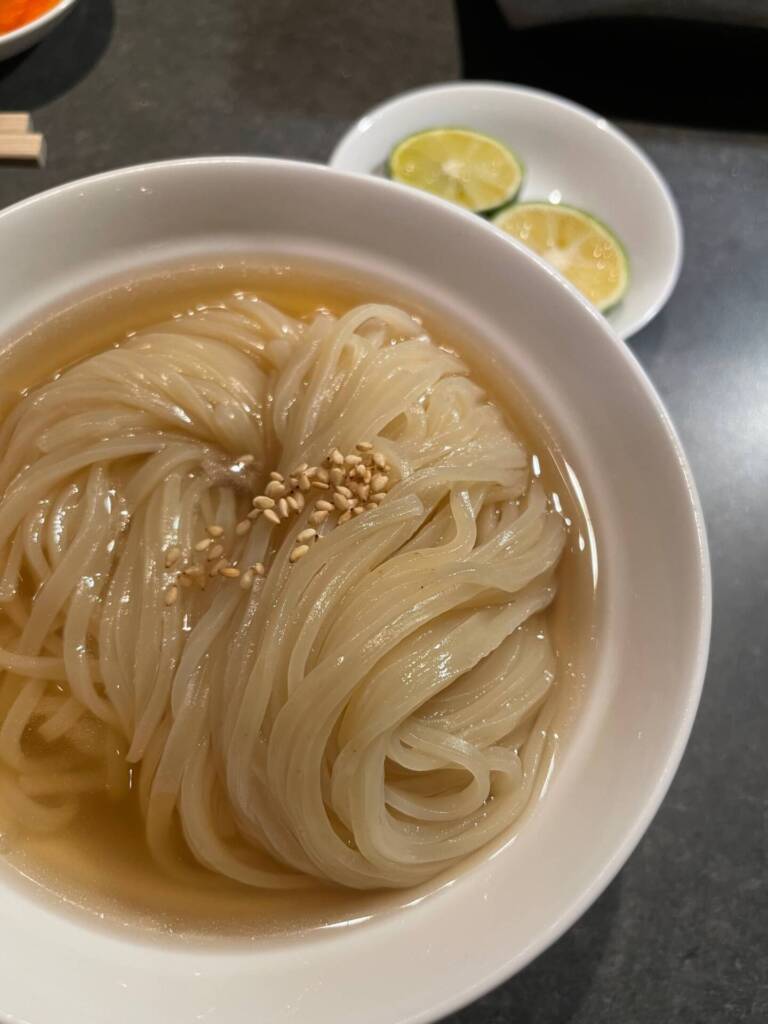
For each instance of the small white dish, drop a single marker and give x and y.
(571, 155)
(22, 38)
(418, 963)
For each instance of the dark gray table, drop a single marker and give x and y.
(682, 934)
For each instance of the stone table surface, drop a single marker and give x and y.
(682, 934)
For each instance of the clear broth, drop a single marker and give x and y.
(99, 865)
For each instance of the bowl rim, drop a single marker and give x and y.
(501, 91)
(43, 19)
(664, 772)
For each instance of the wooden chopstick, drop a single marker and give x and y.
(15, 124)
(18, 141)
(30, 146)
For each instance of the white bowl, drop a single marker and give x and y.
(420, 962)
(571, 155)
(22, 38)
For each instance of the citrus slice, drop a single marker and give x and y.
(576, 244)
(465, 167)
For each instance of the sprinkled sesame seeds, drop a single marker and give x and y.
(357, 483)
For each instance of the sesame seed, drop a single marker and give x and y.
(298, 552)
(352, 460)
(275, 489)
(171, 595)
(246, 460)
(378, 498)
(293, 483)
(246, 580)
(300, 500)
(364, 446)
(311, 471)
(272, 516)
(282, 508)
(243, 527)
(193, 570)
(337, 476)
(230, 572)
(318, 517)
(254, 514)
(323, 505)
(357, 510)
(258, 569)
(217, 567)
(203, 545)
(344, 490)
(262, 502)
(379, 461)
(371, 506)
(363, 490)
(215, 552)
(340, 502)
(379, 483)
(306, 535)
(336, 458)
(172, 555)
(322, 475)
(345, 517)
(292, 503)
(301, 469)
(215, 530)
(321, 485)
(304, 482)
(274, 475)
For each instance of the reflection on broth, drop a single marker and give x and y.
(311, 738)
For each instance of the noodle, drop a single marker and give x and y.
(366, 712)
